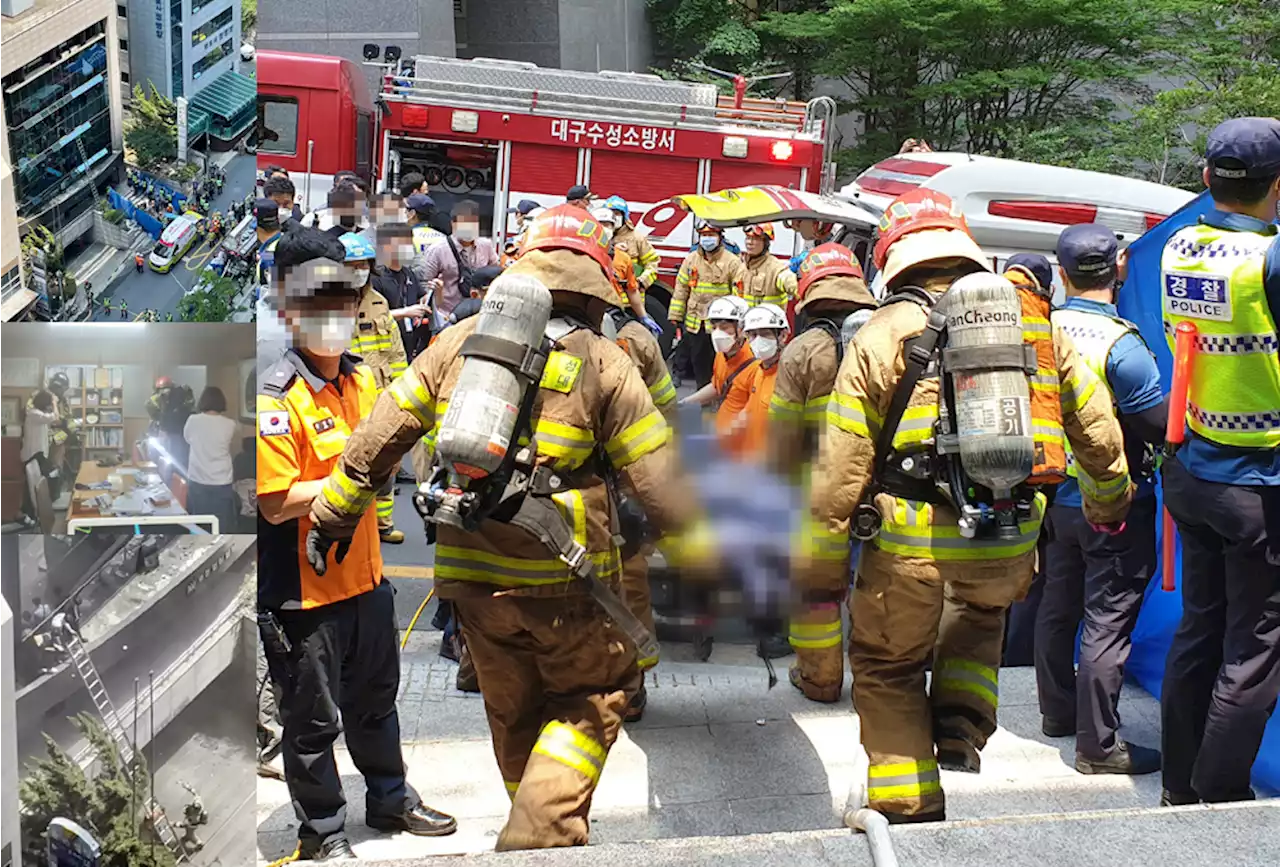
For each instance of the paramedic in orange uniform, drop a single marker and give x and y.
(731, 374)
(331, 641)
(766, 330)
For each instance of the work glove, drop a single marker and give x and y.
(318, 545)
(1112, 529)
(652, 325)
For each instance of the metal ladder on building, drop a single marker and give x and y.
(106, 710)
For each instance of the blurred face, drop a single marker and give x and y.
(808, 229)
(395, 252)
(321, 300)
(755, 245)
(466, 229)
(387, 211)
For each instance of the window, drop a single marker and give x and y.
(211, 27)
(122, 11)
(277, 125)
(459, 8)
(11, 283)
(124, 76)
(124, 44)
(218, 53)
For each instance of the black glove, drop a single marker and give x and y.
(318, 545)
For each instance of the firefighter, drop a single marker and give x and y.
(1095, 575)
(945, 561)
(169, 407)
(706, 274)
(766, 330)
(137, 262)
(644, 258)
(335, 627)
(64, 436)
(624, 273)
(831, 291)
(769, 280)
(376, 340)
(1222, 487)
(557, 674)
(730, 386)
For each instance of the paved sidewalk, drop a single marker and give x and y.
(717, 755)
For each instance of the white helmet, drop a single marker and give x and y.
(607, 217)
(765, 316)
(727, 308)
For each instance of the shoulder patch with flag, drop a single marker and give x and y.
(274, 423)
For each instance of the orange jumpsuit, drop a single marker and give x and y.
(755, 436)
(735, 393)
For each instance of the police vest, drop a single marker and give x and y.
(1213, 278)
(1094, 335)
(267, 259)
(425, 237)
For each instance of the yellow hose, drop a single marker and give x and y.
(416, 615)
(287, 859)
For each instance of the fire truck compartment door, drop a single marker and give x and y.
(764, 204)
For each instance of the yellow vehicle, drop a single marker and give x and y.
(175, 241)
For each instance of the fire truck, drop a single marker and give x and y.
(498, 131)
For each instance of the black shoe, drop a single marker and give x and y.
(1178, 799)
(421, 821)
(955, 755)
(1129, 759)
(1056, 729)
(774, 647)
(333, 849)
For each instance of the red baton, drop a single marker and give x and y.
(1184, 350)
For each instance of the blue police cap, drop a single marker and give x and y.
(1035, 265)
(419, 202)
(1245, 147)
(1087, 249)
(523, 207)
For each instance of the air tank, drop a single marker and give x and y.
(852, 324)
(992, 403)
(479, 425)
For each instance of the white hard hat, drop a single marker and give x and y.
(763, 316)
(606, 216)
(729, 308)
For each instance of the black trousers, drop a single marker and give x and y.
(1222, 676)
(220, 501)
(702, 355)
(341, 675)
(1101, 580)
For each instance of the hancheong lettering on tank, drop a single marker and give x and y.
(1197, 296)
(476, 414)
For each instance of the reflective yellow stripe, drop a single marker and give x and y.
(676, 308)
(571, 748)
(512, 788)
(386, 506)
(345, 495)
(968, 676)
(853, 415)
(1077, 391)
(903, 780)
(815, 409)
(647, 662)
(710, 288)
(573, 508)
(916, 426)
(663, 391)
(466, 564)
(819, 542)
(398, 367)
(565, 442)
(814, 636)
(639, 439)
(1101, 492)
(785, 410)
(412, 397)
(908, 532)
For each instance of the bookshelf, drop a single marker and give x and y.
(96, 398)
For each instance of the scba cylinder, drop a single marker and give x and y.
(480, 422)
(984, 359)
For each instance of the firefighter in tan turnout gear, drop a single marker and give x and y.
(831, 291)
(769, 280)
(708, 273)
(935, 429)
(376, 340)
(557, 673)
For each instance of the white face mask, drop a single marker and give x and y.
(764, 348)
(467, 231)
(327, 333)
(722, 341)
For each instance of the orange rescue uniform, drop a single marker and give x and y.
(732, 380)
(755, 436)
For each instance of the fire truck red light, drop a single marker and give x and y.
(415, 116)
(782, 150)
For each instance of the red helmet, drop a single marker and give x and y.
(916, 211)
(568, 227)
(827, 260)
(164, 382)
(765, 229)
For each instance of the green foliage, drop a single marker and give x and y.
(248, 17)
(212, 301)
(152, 130)
(186, 171)
(55, 786)
(114, 216)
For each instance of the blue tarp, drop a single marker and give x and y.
(149, 224)
(1140, 303)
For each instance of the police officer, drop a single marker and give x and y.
(339, 629)
(266, 215)
(426, 234)
(927, 593)
(1222, 675)
(1097, 574)
(556, 674)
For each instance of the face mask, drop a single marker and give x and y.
(467, 231)
(327, 333)
(764, 348)
(708, 242)
(347, 220)
(722, 341)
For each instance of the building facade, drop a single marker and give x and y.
(180, 46)
(10, 839)
(62, 126)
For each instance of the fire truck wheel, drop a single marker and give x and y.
(434, 175)
(455, 179)
(474, 179)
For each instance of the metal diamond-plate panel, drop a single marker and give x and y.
(582, 84)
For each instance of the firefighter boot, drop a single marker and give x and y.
(467, 680)
(816, 636)
(635, 708)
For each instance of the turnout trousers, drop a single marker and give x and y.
(907, 612)
(342, 675)
(1222, 675)
(556, 679)
(637, 596)
(1101, 579)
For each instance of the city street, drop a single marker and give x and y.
(163, 292)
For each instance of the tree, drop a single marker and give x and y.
(56, 786)
(212, 301)
(248, 19)
(152, 130)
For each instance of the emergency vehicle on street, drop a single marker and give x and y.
(498, 131)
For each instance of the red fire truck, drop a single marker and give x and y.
(497, 131)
